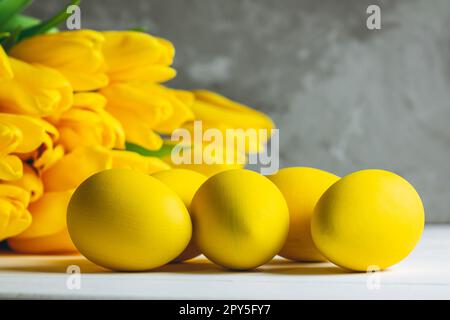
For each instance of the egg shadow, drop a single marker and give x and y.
(299, 270)
(281, 266)
(277, 266)
(200, 266)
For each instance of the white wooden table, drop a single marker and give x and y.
(425, 274)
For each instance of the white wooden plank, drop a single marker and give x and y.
(425, 274)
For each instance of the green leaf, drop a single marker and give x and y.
(20, 21)
(4, 35)
(47, 25)
(164, 151)
(9, 41)
(9, 8)
(16, 24)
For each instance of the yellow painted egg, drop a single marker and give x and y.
(302, 187)
(185, 183)
(126, 220)
(240, 219)
(368, 220)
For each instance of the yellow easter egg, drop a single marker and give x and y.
(368, 220)
(185, 183)
(126, 220)
(302, 187)
(240, 219)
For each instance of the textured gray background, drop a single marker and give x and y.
(345, 98)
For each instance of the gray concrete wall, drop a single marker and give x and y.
(344, 98)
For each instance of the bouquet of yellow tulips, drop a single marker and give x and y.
(73, 103)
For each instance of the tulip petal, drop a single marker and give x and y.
(35, 90)
(32, 132)
(30, 139)
(87, 123)
(49, 215)
(85, 82)
(149, 73)
(10, 168)
(47, 153)
(10, 137)
(75, 54)
(5, 67)
(14, 217)
(168, 53)
(217, 112)
(30, 182)
(141, 133)
(181, 111)
(134, 161)
(56, 243)
(75, 167)
(212, 106)
(136, 56)
(139, 109)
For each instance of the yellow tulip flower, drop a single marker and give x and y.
(34, 90)
(219, 112)
(141, 107)
(78, 165)
(76, 54)
(14, 216)
(48, 152)
(133, 56)
(30, 182)
(144, 108)
(88, 124)
(5, 67)
(210, 106)
(48, 230)
(181, 102)
(20, 136)
(211, 162)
